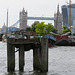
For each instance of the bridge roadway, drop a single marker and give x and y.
(41, 18)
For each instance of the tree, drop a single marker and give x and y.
(40, 28)
(54, 30)
(28, 29)
(66, 29)
(33, 26)
(50, 28)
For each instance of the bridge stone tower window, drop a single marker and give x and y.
(58, 21)
(23, 19)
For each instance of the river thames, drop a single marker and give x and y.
(61, 61)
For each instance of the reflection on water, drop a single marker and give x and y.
(25, 73)
(61, 61)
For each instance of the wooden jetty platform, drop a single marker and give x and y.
(40, 53)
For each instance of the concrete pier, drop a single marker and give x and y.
(40, 53)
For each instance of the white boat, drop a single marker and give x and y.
(4, 38)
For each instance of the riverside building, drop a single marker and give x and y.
(66, 16)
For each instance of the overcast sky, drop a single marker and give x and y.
(33, 7)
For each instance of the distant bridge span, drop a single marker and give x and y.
(41, 18)
(29, 18)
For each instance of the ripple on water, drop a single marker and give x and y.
(61, 61)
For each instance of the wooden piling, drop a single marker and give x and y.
(10, 57)
(36, 59)
(44, 54)
(40, 53)
(40, 56)
(21, 58)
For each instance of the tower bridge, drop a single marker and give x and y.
(41, 18)
(24, 18)
(23, 21)
(57, 19)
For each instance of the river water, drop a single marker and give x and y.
(61, 61)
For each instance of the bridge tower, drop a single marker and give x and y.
(23, 19)
(58, 21)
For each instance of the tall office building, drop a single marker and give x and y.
(66, 16)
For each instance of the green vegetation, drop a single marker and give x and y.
(66, 29)
(50, 28)
(74, 34)
(28, 29)
(41, 28)
(33, 26)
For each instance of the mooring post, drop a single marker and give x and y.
(21, 58)
(44, 55)
(36, 59)
(10, 57)
(40, 56)
(36, 56)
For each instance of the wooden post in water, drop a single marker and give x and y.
(10, 57)
(40, 53)
(21, 58)
(44, 54)
(35, 57)
(36, 60)
(40, 56)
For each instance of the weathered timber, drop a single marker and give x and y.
(21, 58)
(40, 56)
(10, 57)
(36, 59)
(40, 53)
(23, 41)
(44, 54)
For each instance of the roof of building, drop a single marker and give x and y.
(72, 5)
(4, 26)
(65, 6)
